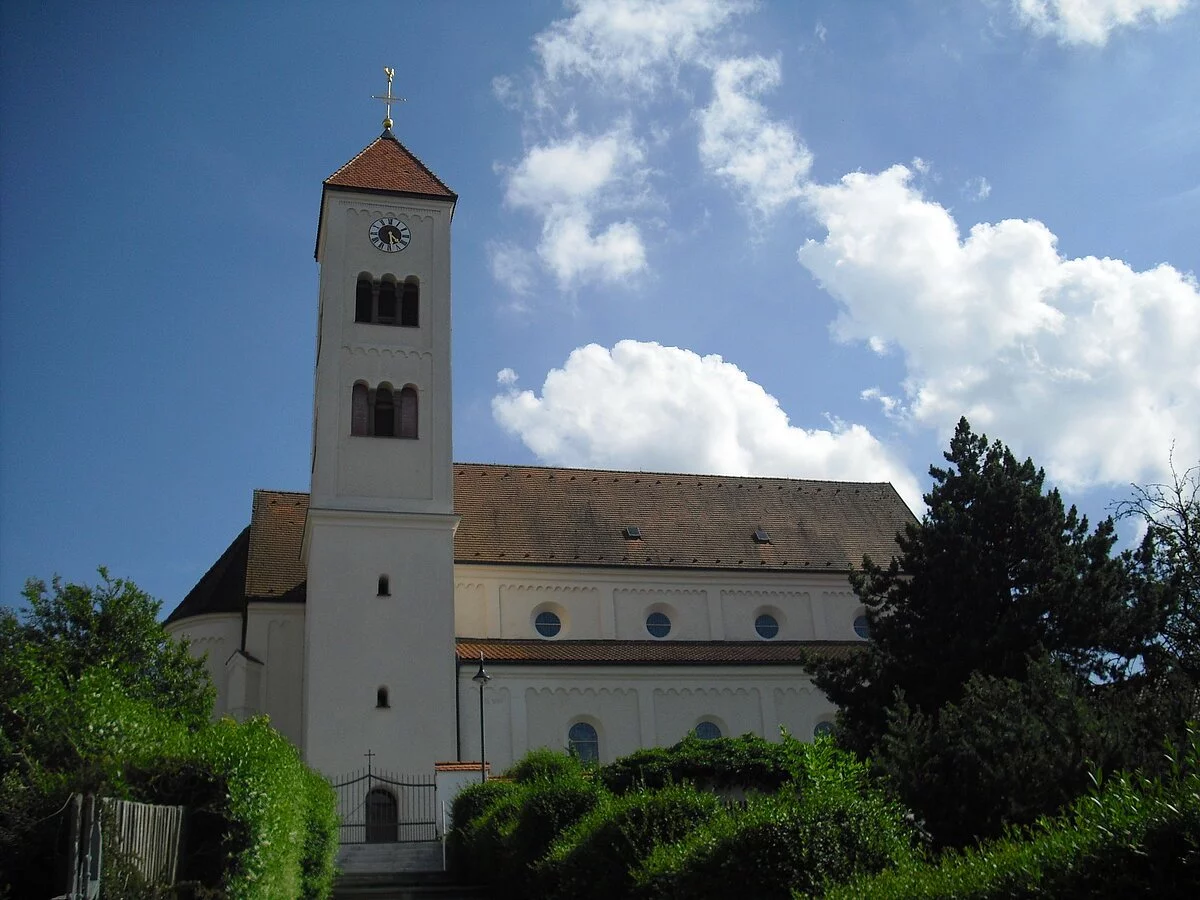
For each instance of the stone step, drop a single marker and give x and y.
(390, 859)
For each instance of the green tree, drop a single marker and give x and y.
(1000, 599)
(68, 629)
(1168, 564)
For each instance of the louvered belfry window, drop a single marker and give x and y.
(360, 411)
(387, 303)
(363, 300)
(408, 412)
(385, 422)
(410, 304)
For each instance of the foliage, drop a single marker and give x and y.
(781, 842)
(999, 595)
(549, 806)
(1168, 562)
(500, 832)
(746, 762)
(596, 858)
(544, 763)
(97, 699)
(72, 628)
(1129, 837)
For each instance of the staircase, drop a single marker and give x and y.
(398, 872)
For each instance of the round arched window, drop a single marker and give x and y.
(548, 624)
(658, 624)
(823, 729)
(862, 628)
(583, 742)
(766, 626)
(708, 731)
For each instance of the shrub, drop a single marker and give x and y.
(543, 763)
(471, 805)
(1131, 837)
(777, 843)
(596, 857)
(321, 826)
(745, 762)
(549, 806)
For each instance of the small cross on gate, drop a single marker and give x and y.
(369, 755)
(387, 98)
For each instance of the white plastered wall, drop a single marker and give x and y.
(212, 637)
(527, 706)
(593, 603)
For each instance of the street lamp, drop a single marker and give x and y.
(481, 678)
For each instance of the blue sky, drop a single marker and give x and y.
(776, 238)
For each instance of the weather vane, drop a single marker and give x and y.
(387, 98)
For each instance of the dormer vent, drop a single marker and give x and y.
(632, 533)
(761, 536)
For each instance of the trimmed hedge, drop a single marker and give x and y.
(775, 844)
(746, 762)
(596, 858)
(1130, 837)
(544, 763)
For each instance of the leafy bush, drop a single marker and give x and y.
(502, 828)
(596, 857)
(1130, 837)
(543, 763)
(746, 762)
(779, 843)
(549, 806)
(465, 839)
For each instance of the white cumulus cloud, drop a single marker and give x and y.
(645, 406)
(632, 43)
(1085, 364)
(1092, 21)
(569, 183)
(761, 158)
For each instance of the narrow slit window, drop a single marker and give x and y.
(383, 586)
(381, 699)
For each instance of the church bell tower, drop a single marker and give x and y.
(379, 537)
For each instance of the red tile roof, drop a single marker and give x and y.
(539, 516)
(532, 515)
(648, 653)
(274, 570)
(387, 165)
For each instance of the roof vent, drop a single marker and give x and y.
(632, 533)
(761, 536)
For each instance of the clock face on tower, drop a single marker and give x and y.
(389, 235)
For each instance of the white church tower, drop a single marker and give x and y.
(379, 536)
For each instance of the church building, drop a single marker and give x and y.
(612, 610)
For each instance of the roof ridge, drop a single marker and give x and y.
(705, 475)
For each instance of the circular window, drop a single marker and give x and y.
(823, 729)
(766, 626)
(708, 731)
(658, 624)
(862, 628)
(548, 624)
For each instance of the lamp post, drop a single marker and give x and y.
(481, 678)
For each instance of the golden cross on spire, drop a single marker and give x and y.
(387, 98)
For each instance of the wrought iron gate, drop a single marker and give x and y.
(382, 807)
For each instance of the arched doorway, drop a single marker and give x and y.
(382, 816)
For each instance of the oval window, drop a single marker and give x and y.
(548, 624)
(823, 729)
(658, 624)
(708, 731)
(766, 626)
(862, 628)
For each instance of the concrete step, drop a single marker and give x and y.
(405, 886)
(390, 859)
